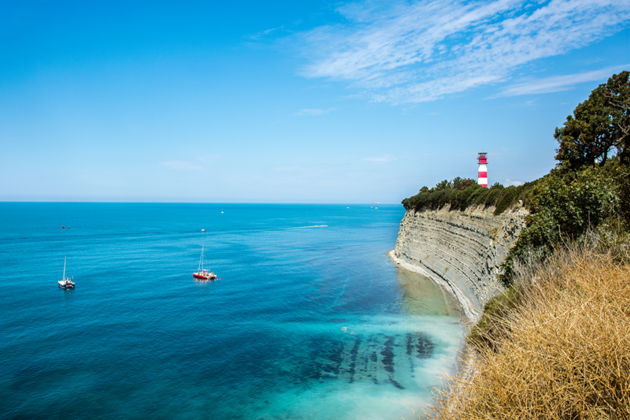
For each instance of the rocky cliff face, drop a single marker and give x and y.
(461, 250)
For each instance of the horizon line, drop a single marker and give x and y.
(195, 202)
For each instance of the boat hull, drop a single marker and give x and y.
(205, 276)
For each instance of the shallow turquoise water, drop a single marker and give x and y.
(310, 318)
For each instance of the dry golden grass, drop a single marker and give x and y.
(563, 352)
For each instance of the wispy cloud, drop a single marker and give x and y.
(313, 112)
(401, 51)
(182, 165)
(380, 159)
(559, 83)
(511, 182)
(265, 33)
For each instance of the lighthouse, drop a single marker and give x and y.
(482, 172)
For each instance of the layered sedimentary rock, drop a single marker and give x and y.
(461, 250)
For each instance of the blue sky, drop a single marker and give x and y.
(287, 101)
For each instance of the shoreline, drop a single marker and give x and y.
(466, 360)
(471, 314)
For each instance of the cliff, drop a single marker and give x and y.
(461, 250)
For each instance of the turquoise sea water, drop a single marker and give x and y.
(310, 319)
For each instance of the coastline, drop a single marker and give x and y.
(467, 358)
(471, 314)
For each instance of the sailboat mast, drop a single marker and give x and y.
(201, 260)
(64, 269)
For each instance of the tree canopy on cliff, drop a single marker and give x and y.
(598, 127)
(461, 193)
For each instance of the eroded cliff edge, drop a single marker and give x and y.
(461, 250)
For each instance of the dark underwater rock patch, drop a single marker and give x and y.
(388, 354)
(409, 338)
(424, 346)
(367, 357)
(395, 383)
(353, 358)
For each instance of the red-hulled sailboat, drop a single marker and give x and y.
(202, 273)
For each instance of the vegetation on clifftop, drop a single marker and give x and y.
(598, 127)
(566, 203)
(461, 193)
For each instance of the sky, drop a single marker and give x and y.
(305, 101)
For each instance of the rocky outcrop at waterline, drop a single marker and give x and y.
(461, 250)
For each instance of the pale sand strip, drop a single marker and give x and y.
(472, 313)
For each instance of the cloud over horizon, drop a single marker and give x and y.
(418, 51)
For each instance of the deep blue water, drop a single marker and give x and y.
(310, 318)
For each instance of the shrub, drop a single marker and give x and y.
(462, 193)
(565, 204)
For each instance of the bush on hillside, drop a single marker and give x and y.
(565, 204)
(460, 193)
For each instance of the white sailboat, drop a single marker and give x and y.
(65, 282)
(202, 273)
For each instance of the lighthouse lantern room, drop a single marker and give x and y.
(482, 172)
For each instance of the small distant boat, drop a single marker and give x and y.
(203, 229)
(222, 212)
(202, 273)
(66, 282)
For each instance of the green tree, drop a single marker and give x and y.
(460, 183)
(600, 125)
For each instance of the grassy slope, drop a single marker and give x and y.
(558, 348)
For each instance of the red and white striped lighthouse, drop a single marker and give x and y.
(482, 172)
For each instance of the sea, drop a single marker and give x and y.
(309, 318)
